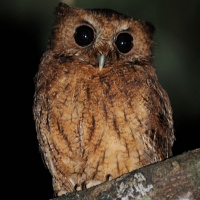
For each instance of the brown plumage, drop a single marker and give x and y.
(96, 122)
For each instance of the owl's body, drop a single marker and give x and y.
(94, 123)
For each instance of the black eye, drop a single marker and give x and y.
(84, 35)
(124, 42)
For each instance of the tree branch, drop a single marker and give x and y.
(177, 178)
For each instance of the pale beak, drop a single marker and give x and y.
(102, 59)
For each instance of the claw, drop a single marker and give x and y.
(92, 183)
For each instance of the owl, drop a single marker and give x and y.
(98, 107)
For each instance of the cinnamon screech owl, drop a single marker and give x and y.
(98, 107)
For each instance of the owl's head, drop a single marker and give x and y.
(101, 37)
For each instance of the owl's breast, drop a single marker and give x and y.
(95, 122)
(103, 114)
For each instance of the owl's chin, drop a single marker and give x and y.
(101, 66)
(93, 69)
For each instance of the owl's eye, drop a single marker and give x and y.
(84, 35)
(124, 42)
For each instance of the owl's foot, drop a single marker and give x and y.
(91, 183)
(86, 185)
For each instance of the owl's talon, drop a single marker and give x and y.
(77, 187)
(109, 177)
(91, 183)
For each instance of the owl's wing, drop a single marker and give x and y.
(159, 138)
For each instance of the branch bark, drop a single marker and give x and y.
(177, 178)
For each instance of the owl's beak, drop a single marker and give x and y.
(102, 59)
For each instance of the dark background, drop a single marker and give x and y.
(25, 28)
